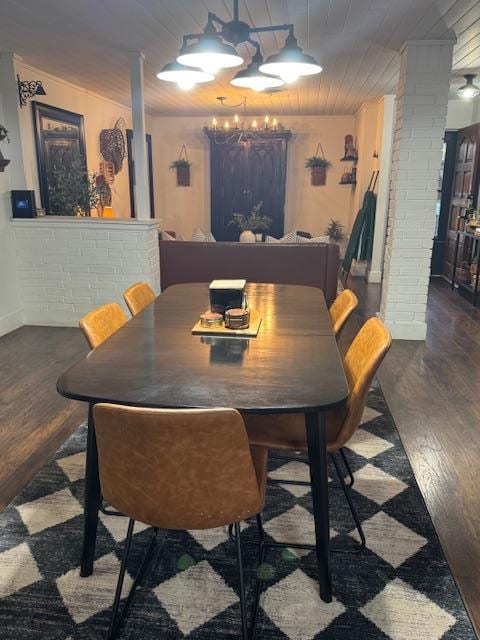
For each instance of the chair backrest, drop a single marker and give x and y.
(361, 362)
(176, 469)
(341, 309)
(101, 323)
(138, 296)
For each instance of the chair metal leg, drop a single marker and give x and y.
(116, 620)
(118, 593)
(243, 606)
(346, 491)
(347, 467)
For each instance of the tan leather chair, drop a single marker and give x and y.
(100, 324)
(178, 469)
(341, 309)
(287, 431)
(138, 296)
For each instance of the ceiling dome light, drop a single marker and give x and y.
(209, 53)
(291, 62)
(186, 78)
(253, 78)
(469, 90)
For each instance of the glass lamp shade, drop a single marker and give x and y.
(186, 78)
(210, 54)
(291, 62)
(253, 78)
(469, 90)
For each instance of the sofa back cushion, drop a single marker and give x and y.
(308, 264)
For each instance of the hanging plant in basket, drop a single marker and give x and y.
(182, 166)
(318, 165)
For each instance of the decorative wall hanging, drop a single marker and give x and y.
(113, 145)
(318, 166)
(59, 139)
(104, 194)
(182, 166)
(28, 89)
(107, 170)
(350, 153)
(3, 136)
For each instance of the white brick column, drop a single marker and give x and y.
(422, 98)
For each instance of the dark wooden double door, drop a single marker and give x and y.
(244, 174)
(466, 176)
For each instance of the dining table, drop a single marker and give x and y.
(293, 365)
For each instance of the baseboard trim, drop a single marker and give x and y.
(406, 330)
(11, 321)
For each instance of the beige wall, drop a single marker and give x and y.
(99, 113)
(368, 131)
(309, 208)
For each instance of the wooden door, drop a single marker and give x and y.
(465, 183)
(229, 192)
(243, 173)
(266, 168)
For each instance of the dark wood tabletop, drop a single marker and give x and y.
(154, 360)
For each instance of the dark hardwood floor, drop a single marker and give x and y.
(34, 418)
(432, 389)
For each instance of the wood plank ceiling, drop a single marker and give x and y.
(356, 42)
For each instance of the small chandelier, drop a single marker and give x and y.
(214, 49)
(468, 91)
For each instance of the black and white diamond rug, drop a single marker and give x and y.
(400, 588)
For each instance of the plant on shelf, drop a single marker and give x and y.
(318, 166)
(335, 230)
(73, 192)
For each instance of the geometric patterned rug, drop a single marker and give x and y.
(399, 588)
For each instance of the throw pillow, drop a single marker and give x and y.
(289, 238)
(167, 236)
(198, 235)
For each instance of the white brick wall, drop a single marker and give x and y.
(69, 266)
(422, 99)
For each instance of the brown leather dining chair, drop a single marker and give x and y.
(138, 296)
(341, 309)
(287, 431)
(101, 323)
(178, 469)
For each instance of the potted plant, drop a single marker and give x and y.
(318, 166)
(336, 233)
(249, 225)
(183, 172)
(73, 192)
(3, 136)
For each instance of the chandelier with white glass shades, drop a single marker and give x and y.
(204, 54)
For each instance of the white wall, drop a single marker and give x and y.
(11, 178)
(309, 208)
(98, 113)
(461, 113)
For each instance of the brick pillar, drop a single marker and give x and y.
(422, 98)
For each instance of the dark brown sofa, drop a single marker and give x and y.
(313, 264)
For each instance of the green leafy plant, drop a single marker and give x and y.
(317, 161)
(255, 221)
(335, 230)
(180, 164)
(73, 192)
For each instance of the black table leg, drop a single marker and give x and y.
(92, 500)
(317, 454)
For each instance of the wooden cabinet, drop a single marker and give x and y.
(244, 173)
(466, 177)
